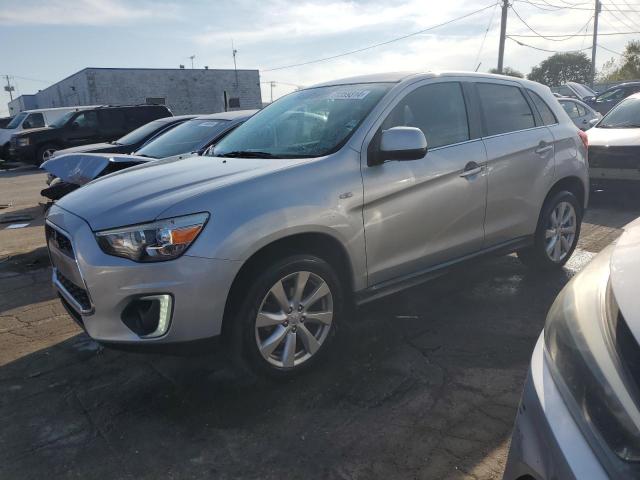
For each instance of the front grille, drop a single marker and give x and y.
(614, 157)
(61, 241)
(628, 351)
(80, 295)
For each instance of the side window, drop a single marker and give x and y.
(504, 108)
(611, 95)
(548, 118)
(87, 120)
(437, 109)
(581, 110)
(571, 109)
(111, 120)
(35, 120)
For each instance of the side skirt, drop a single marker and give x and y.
(398, 284)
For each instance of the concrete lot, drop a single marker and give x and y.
(424, 384)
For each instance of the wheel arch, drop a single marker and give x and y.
(572, 184)
(320, 244)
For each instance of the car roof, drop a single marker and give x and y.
(53, 109)
(397, 77)
(233, 115)
(174, 118)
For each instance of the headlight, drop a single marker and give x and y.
(153, 242)
(22, 142)
(582, 339)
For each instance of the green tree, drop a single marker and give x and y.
(561, 68)
(627, 68)
(512, 72)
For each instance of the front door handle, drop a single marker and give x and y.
(543, 147)
(470, 169)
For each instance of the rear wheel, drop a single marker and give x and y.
(557, 233)
(288, 317)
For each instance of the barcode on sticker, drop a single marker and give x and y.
(349, 95)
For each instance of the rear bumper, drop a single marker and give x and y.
(197, 286)
(546, 442)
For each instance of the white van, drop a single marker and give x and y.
(29, 119)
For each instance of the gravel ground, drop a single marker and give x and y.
(423, 384)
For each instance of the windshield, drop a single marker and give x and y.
(624, 115)
(17, 120)
(187, 137)
(141, 134)
(307, 123)
(62, 120)
(582, 90)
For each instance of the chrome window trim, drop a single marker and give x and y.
(57, 283)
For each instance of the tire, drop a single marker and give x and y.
(554, 242)
(44, 152)
(281, 338)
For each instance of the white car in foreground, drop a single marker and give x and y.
(580, 410)
(614, 144)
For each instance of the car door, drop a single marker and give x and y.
(83, 129)
(520, 161)
(421, 213)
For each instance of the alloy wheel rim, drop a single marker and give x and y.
(47, 154)
(560, 233)
(294, 319)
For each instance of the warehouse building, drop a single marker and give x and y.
(184, 91)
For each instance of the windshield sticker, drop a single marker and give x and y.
(349, 95)
(208, 124)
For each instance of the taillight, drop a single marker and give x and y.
(584, 138)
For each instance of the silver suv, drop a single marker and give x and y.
(349, 190)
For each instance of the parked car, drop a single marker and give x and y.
(194, 137)
(90, 125)
(132, 140)
(605, 101)
(582, 115)
(614, 145)
(31, 119)
(346, 191)
(579, 416)
(574, 90)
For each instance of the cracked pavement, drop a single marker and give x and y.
(423, 384)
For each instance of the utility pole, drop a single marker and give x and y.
(234, 52)
(9, 88)
(503, 34)
(272, 84)
(192, 57)
(594, 47)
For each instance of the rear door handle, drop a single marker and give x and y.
(543, 147)
(470, 169)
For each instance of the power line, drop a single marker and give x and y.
(551, 37)
(351, 52)
(578, 35)
(522, 44)
(609, 50)
(555, 8)
(484, 38)
(621, 20)
(29, 79)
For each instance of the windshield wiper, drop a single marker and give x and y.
(246, 154)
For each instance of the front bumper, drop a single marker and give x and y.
(22, 154)
(198, 287)
(546, 442)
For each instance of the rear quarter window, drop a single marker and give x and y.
(548, 118)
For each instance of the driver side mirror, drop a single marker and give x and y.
(402, 143)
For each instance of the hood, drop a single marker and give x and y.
(92, 148)
(614, 137)
(81, 168)
(625, 271)
(141, 193)
(32, 131)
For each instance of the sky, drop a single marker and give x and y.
(43, 41)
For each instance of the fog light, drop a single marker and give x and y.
(148, 316)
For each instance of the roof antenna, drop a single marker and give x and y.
(478, 67)
(235, 67)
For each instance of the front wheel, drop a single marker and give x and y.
(288, 317)
(45, 153)
(557, 233)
